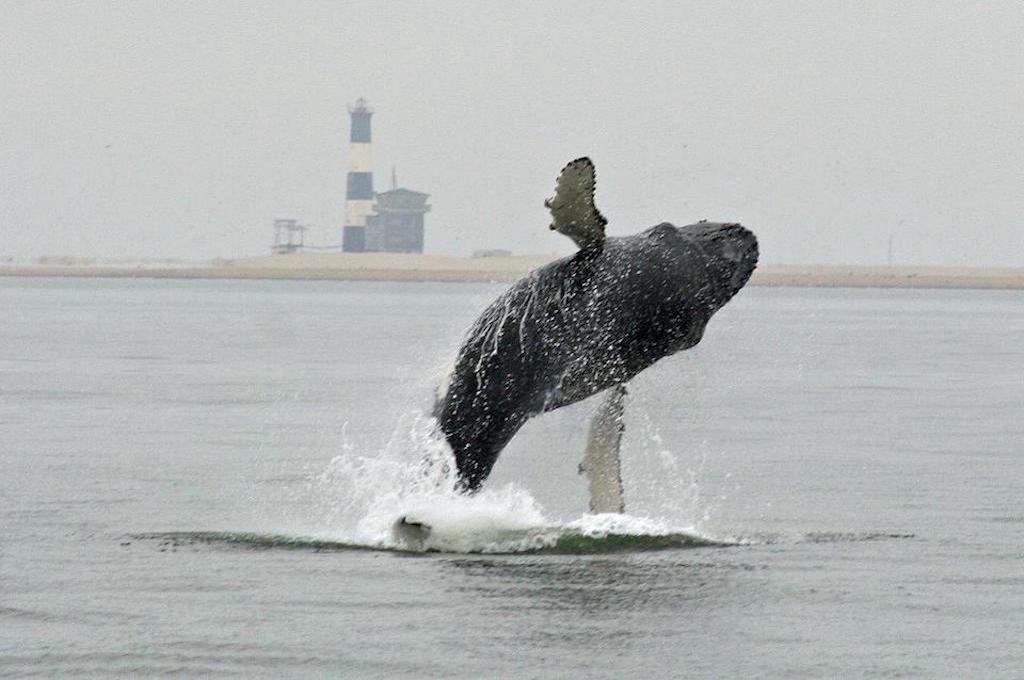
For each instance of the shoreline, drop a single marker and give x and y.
(447, 269)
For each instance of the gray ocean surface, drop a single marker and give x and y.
(192, 472)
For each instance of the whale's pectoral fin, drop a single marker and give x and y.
(572, 207)
(601, 463)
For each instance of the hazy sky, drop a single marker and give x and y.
(183, 129)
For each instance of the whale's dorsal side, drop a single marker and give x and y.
(572, 207)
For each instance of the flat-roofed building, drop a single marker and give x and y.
(396, 224)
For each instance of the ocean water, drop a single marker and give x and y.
(199, 478)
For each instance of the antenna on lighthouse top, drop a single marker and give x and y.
(361, 106)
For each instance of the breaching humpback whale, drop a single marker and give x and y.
(585, 323)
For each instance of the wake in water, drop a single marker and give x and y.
(355, 502)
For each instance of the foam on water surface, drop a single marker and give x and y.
(356, 503)
(513, 523)
(359, 502)
(362, 498)
(503, 520)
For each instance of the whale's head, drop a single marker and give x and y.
(732, 255)
(715, 259)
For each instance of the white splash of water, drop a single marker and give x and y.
(360, 498)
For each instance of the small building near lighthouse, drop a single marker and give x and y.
(396, 224)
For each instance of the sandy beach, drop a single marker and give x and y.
(415, 267)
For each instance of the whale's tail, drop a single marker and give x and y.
(601, 463)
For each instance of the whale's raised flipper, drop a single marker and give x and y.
(572, 207)
(601, 463)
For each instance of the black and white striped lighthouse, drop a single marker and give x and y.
(359, 187)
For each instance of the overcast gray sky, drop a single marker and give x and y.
(184, 128)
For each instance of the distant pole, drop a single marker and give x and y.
(890, 250)
(394, 178)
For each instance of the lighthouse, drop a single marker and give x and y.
(359, 186)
